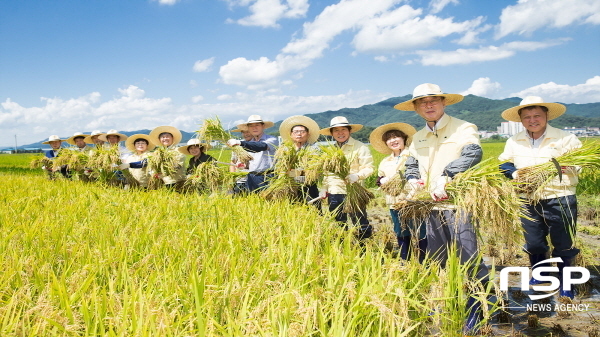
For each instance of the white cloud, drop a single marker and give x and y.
(224, 97)
(203, 65)
(193, 83)
(483, 87)
(528, 16)
(197, 99)
(588, 92)
(132, 110)
(437, 5)
(381, 58)
(167, 2)
(482, 54)
(266, 13)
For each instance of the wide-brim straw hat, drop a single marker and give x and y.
(425, 90)
(112, 132)
(88, 139)
(52, 138)
(255, 119)
(194, 141)
(285, 129)
(376, 136)
(177, 136)
(554, 109)
(130, 142)
(340, 121)
(71, 140)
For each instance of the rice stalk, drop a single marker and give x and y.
(209, 177)
(104, 158)
(211, 130)
(282, 185)
(74, 159)
(164, 160)
(532, 180)
(394, 186)
(40, 162)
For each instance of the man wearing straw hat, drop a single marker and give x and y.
(303, 132)
(169, 137)
(262, 150)
(78, 140)
(93, 138)
(361, 167)
(55, 142)
(445, 147)
(556, 212)
(393, 139)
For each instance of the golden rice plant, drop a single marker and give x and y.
(208, 176)
(211, 129)
(394, 186)
(40, 162)
(333, 160)
(104, 158)
(281, 185)
(75, 160)
(533, 179)
(164, 160)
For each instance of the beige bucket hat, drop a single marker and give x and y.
(255, 119)
(428, 89)
(112, 132)
(286, 126)
(380, 146)
(71, 140)
(194, 141)
(88, 139)
(130, 142)
(554, 109)
(52, 138)
(340, 121)
(177, 136)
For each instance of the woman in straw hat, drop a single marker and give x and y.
(556, 213)
(140, 145)
(114, 138)
(168, 138)
(197, 149)
(445, 147)
(394, 139)
(361, 167)
(262, 150)
(302, 132)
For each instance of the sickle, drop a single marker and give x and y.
(558, 169)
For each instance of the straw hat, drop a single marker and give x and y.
(340, 121)
(71, 140)
(193, 141)
(286, 126)
(154, 134)
(89, 140)
(428, 89)
(255, 119)
(52, 138)
(554, 109)
(112, 132)
(130, 142)
(380, 146)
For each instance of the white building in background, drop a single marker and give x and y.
(510, 128)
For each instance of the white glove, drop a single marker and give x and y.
(384, 180)
(437, 188)
(352, 178)
(515, 174)
(233, 142)
(124, 166)
(300, 179)
(322, 194)
(413, 186)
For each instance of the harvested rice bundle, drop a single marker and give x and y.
(164, 161)
(394, 186)
(282, 185)
(333, 160)
(41, 162)
(73, 158)
(104, 158)
(533, 179)
(209, 177)
(212, 129)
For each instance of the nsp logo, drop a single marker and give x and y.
(540, 274)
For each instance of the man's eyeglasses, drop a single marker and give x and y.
(433, 102)
(298, 132)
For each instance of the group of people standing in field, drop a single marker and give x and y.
(427, 159)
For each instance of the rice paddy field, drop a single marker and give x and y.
(81, 259)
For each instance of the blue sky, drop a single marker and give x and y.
(69, 66)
